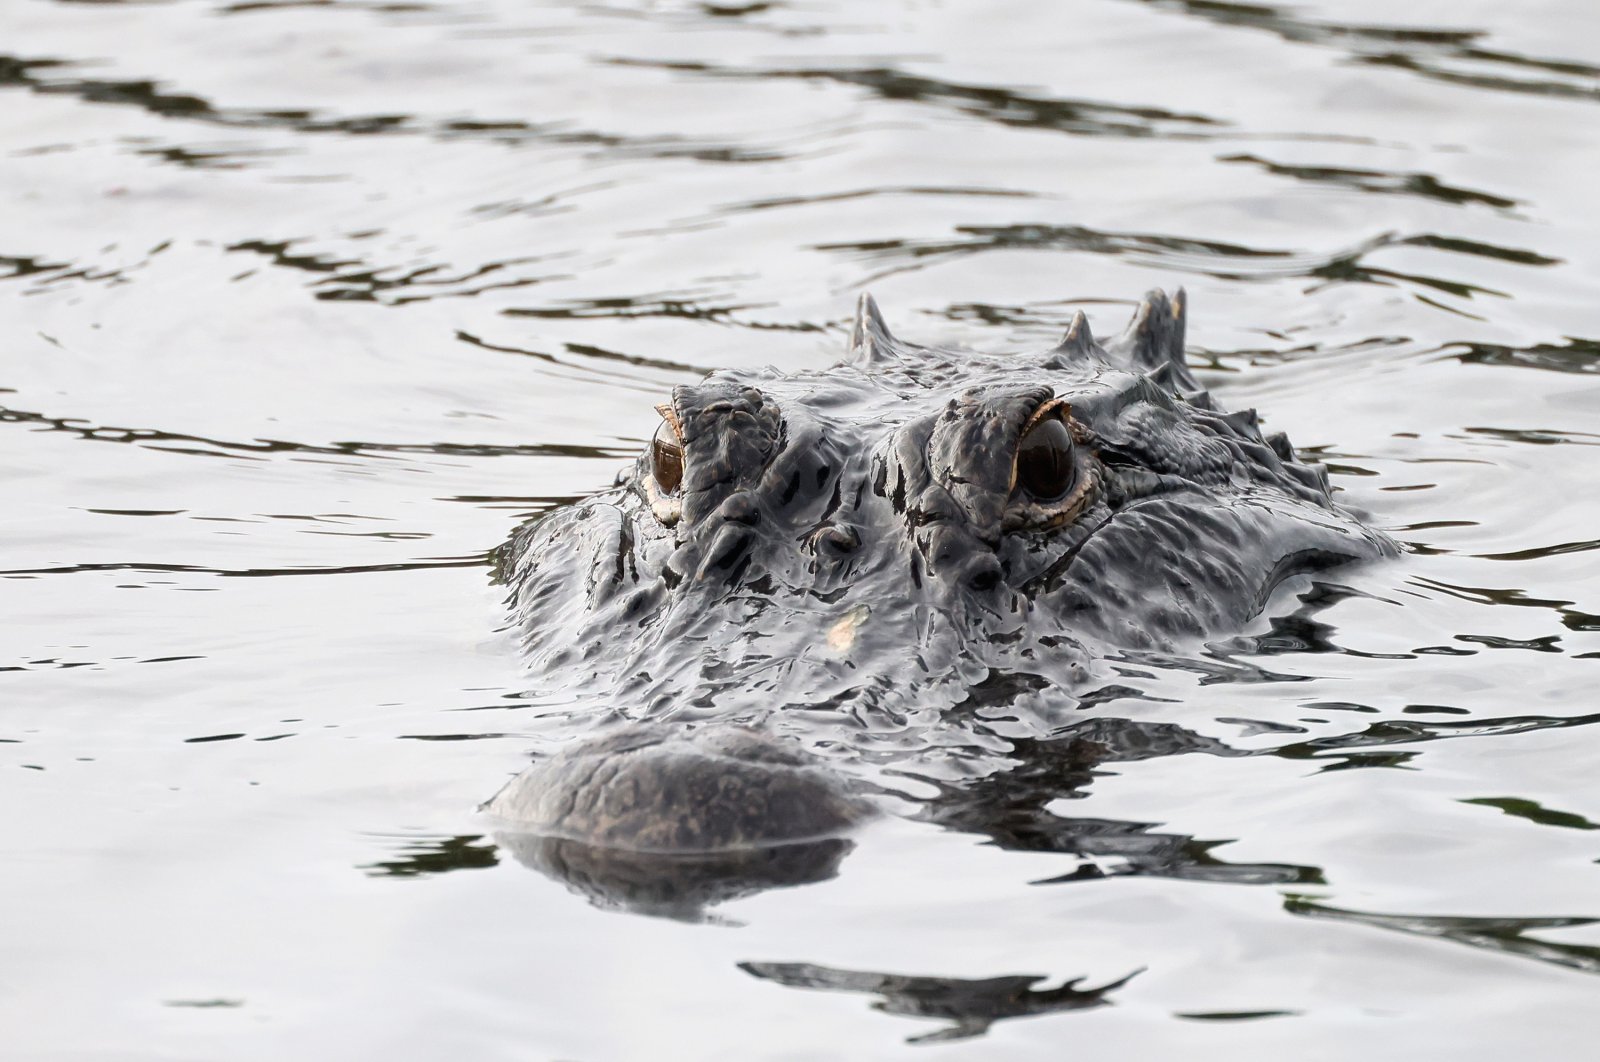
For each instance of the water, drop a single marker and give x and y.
(308, 303)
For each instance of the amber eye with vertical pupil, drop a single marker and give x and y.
(1045, 468)
(666, 459)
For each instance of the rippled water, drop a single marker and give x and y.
(308, 303)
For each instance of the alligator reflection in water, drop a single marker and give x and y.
(677, 885)
(971, 1005)
(859, 566)
(664, 884)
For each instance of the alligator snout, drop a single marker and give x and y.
(669, 821)
(667, 790)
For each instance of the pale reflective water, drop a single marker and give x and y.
(307, 303)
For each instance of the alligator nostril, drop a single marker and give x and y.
(835, 541)
(741, 508)
(983, 573)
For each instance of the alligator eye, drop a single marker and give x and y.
(1045, 465)
(1055, 474)
(666, 459)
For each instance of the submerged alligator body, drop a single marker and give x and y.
(920, 553)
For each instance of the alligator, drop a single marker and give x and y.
(809, 579)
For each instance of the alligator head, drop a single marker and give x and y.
(838, 559)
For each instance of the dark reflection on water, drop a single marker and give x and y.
(1377, 182)
(1405, 731)
(665, 305)
(1572, 355)
(1449, 55)
(1012, 807)
(46, 75)
(178, 442)
(583, 350)
(343, 280)
(247, 573)
(435, 856)
(970, 1006)
(1507, 936)
(1518, 807)
(986, 102)
(1221, 260)
(1299, 631)
(1571, 618)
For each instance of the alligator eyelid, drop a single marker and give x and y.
(1046, 408)
(670, 415)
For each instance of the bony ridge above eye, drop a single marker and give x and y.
(666, 453)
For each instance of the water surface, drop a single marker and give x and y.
(308, 303)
